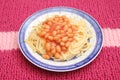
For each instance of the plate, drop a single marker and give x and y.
(70, 65)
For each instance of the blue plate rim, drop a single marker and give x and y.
(26, 53)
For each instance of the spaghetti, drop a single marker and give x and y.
(60, 38)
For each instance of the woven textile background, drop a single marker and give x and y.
(14, 66)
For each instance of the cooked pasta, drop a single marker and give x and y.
(60, 38)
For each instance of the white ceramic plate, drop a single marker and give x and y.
(70, 65)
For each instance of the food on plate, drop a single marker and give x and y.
(60, 38)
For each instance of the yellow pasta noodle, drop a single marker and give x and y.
(78, 45)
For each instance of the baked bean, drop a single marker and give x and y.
(70, 35)
(53, 51)
(70, 30)
(50, 37)
(54, 33)
(63, 48)
(67, 44)
(42, 33)
(45, 56)
(57, 55)
(62, 43)
(58, 48)
(48, 46)
(64, 38)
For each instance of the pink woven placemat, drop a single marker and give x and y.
(14, 66)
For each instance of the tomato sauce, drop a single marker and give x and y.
(58, 33)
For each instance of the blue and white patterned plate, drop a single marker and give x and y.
(70, 65)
